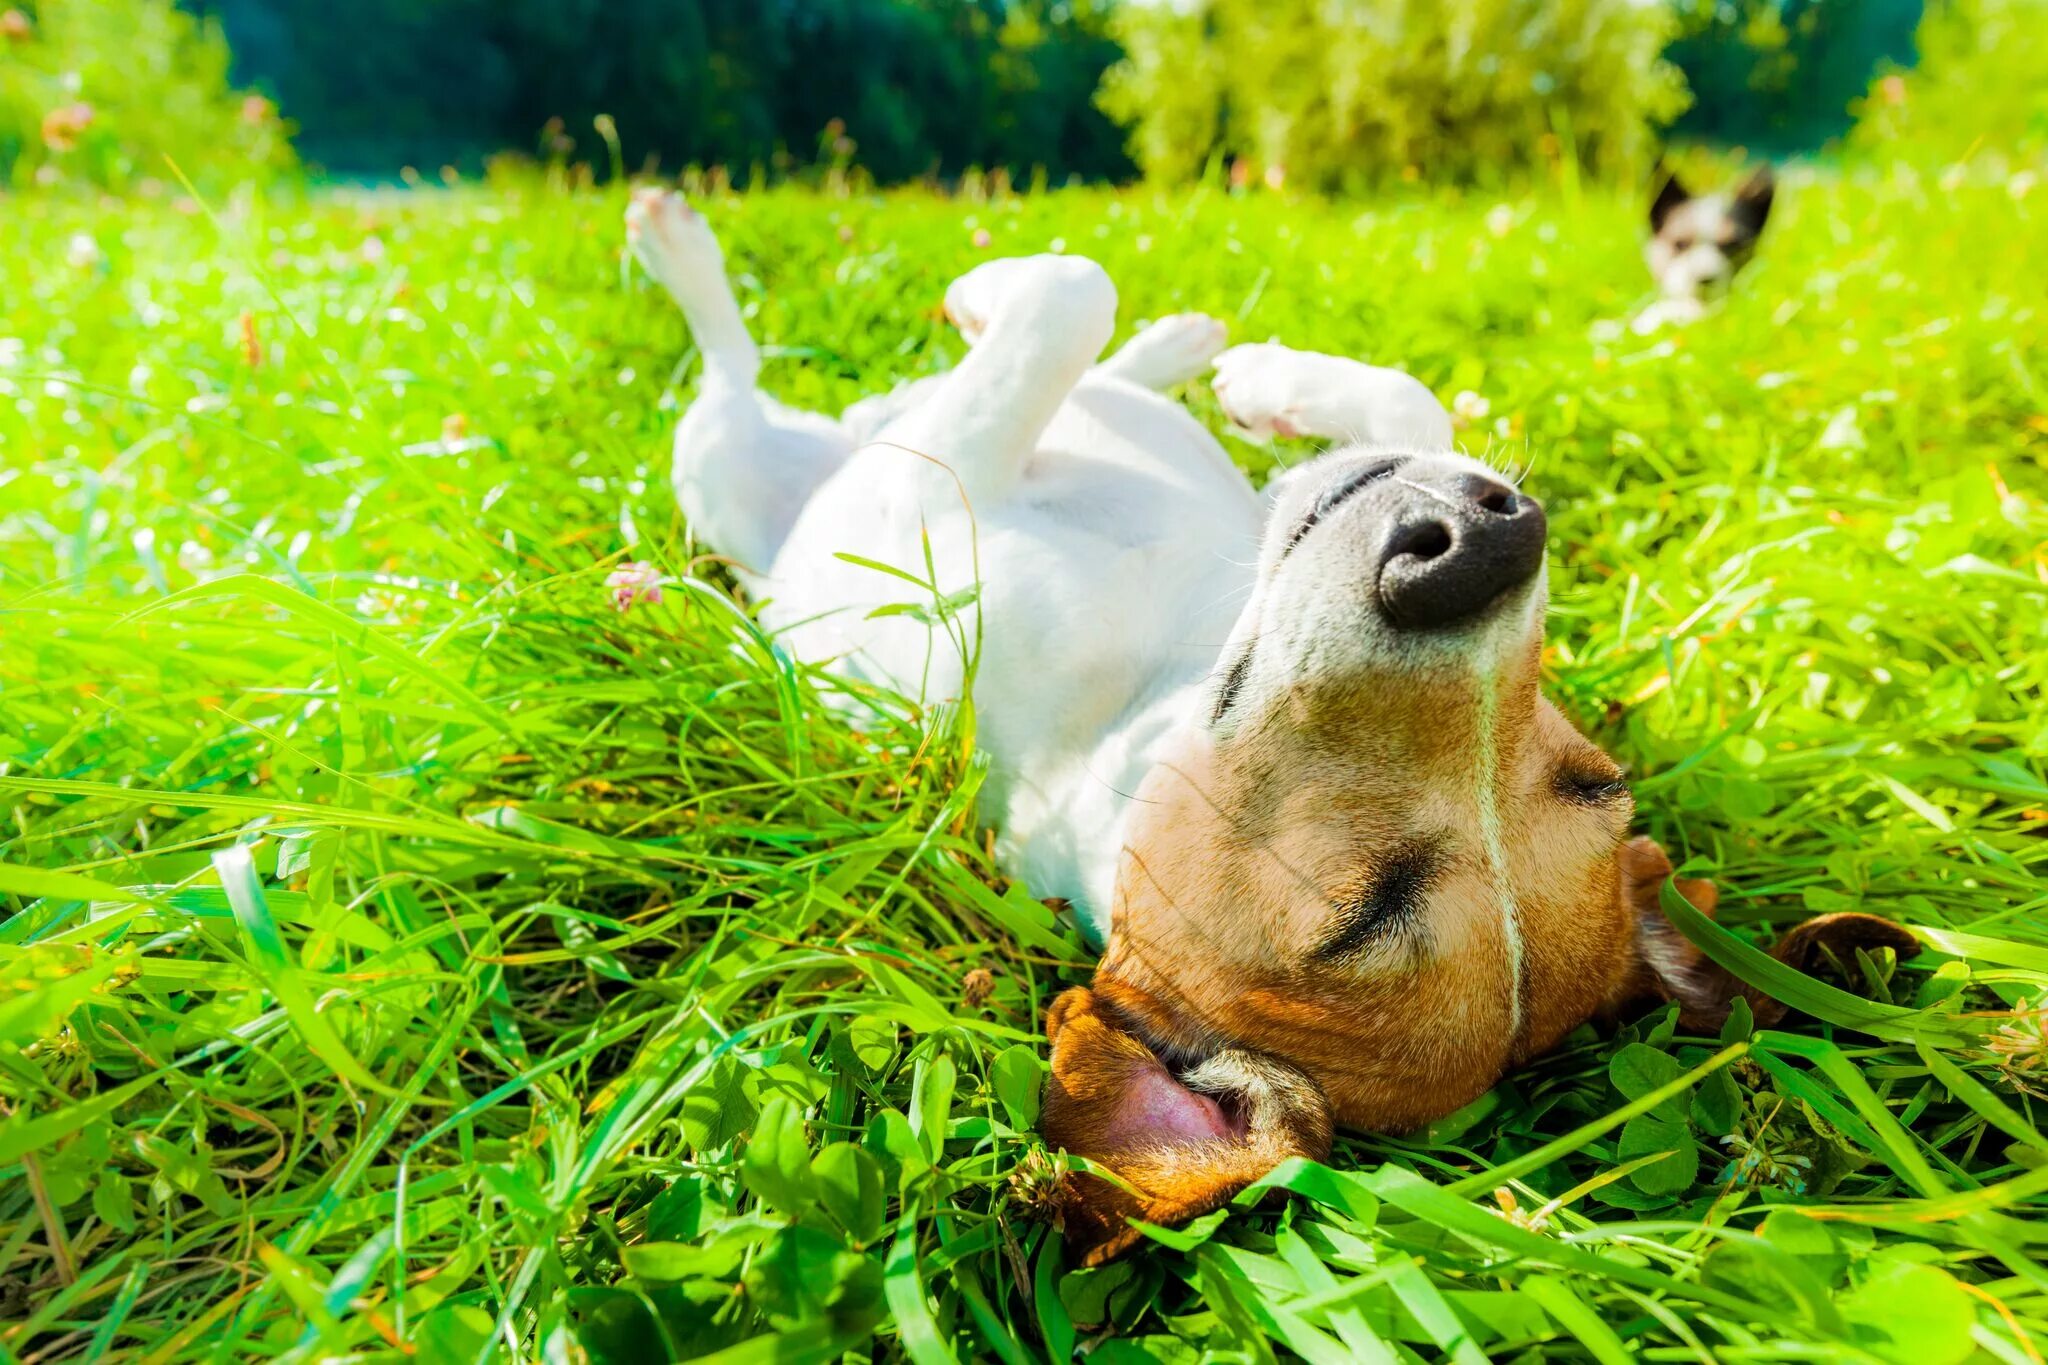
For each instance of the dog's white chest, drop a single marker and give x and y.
(1109, 577)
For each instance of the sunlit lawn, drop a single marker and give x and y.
(404, 946)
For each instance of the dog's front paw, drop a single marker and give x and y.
(1262, 389)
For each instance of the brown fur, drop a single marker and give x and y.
(1242, 847)
(1096, 1058)
(1669, 967)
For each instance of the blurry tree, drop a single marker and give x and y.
(916, 85)
(101, 91)
(1781, 75)
(1342, 94)
(1981, 87)
(380, 82)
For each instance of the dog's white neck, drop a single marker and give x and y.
(1062, 828)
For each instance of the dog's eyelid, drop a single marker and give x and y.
(1593, 788)
(1233, 683)
(1390, 899)
(1371, 474)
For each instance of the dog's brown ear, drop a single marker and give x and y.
(1670, 195)
(1669, 967)
(1753, 197)
(1183, 1141)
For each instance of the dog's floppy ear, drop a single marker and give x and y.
(1184, 1143)
(1752, 203)
(1670, 195)
(1669, 967)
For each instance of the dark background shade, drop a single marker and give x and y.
(922, 87)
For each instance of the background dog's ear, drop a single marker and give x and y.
(1669, 967)
(1670, 195)
(1184, 1143)
(1752, 203)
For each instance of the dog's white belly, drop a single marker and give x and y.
(1110, 573)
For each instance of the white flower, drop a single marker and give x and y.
(382, 605)
(1500, 219)
(82, 252)
(1469, 409)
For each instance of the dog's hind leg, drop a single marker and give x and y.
(1272, 390)
(1036, 324)
(1171, 351)
(744, 464)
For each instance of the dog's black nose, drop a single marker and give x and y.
(1456, 545)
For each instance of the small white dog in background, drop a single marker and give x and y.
(1697, 244)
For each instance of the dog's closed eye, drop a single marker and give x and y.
(1329, 501)
(1591, 789)
(1233, 683)
(1391, 898)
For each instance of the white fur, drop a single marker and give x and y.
(1116, 546)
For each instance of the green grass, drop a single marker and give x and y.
(402, 946)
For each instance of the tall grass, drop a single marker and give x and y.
(410, 955)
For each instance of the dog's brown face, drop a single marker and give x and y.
(1383, 872)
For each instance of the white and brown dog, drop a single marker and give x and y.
(1287, 755)
(1698, 242)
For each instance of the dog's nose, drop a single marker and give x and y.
(1454, 548)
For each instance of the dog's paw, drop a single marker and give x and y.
(672, 239)
(1263, 389)
(976, 297)
(1061, 294)
(1170, 351)
(1674, 312)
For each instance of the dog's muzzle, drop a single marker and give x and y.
(1454, 544)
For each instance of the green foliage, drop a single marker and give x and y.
(1979, 88)
(910, 87)
(1348, 95)
(103, 91)
(403, 944)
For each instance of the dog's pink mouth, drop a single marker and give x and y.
(1157, 1110)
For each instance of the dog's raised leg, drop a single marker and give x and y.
(1271, 390)
(744, 464)
(1036, 323)
(1171, 351)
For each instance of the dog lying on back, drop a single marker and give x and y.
(1698, 242)
(1286, 753)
